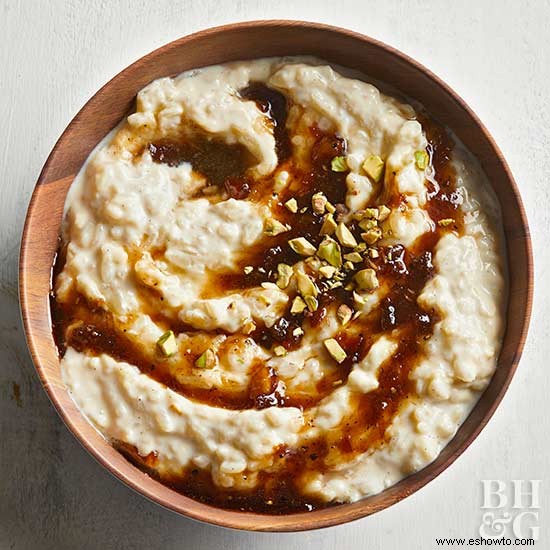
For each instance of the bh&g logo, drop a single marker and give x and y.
(514, 508)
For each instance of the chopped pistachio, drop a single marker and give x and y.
(374, 167)
(358, 299)
(344, 314)
(339, 164)
(445, 222)
(327, 271)
(312, 303)
(371, 213)
(336, 284)
(313, 263)
(279, 351)
(345, 236)
(292, 205)
(421, 159)
(303, 210)
(298, 331)
(207, 360)
(298, 305)
(248, 269)
(329, 225)
(361, 247)
(275, 227)
(329, 250)
(335, 350)
(349, 286)
(366, 279)
(281, 179)
(372, 235)
(330, 208)
(284, 273)
(305, 285)
(167, 344)
(318, 203)
(348, 265)
(354, 257)
(302, 246)
(249, 326)
(368, 223)
(383, 212)
(373, 253)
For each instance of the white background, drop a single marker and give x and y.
(54, 55)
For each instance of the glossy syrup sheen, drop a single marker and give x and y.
(401, 272)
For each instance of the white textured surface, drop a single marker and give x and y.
(53, 57)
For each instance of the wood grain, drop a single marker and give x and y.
(219, 45)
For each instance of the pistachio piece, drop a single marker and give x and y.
(327, 271)
(305, 285)
(345, 236)
(167, 344)
(279, 351)
(361, 247)
(373, 253)
(354, 257)
(421, 159)
(383, 212)
(329, 225)
(298, 331)
(292, 205)
(284, 273)
(274, 227)
(313, 263)
(348, 265)
(298, 306)
(366, 279)
(335, 350)
(207, 360)
(372, 235)
(249, 326)
(330, 208)
(318, 203)
(302, 246)
(312, 303)
(368, 223)
(445, 222)
(329, 250)
(248, 270)
(344, 313)
(339, 164)
(374, 167)
(371, 213)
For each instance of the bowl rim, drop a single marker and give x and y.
(247, 520)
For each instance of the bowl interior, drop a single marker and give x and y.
(243, 41)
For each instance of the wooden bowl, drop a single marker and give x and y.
(219, 45)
